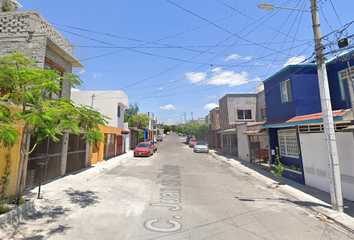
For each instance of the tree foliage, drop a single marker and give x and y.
(24, 89)
(166, 128)
(201, 131)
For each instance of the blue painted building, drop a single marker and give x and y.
(294, 108)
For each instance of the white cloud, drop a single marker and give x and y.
(168, 107)
(195, 77)
(160, 88)
(294, 60)
(210, 106)
(235, 56)
(212, 96)
(82, 71)
(170, 120)
(75, 90)
(231, 78)
(97, 75)
(216, 69)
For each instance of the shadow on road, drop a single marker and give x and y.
(82, 198)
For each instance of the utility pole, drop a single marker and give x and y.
(332, 154)
(192, 115)
(93, 95)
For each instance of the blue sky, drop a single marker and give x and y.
(174, 57)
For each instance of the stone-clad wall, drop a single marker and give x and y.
(27, 32)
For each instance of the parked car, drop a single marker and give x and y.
(153, 143)
(144, 149)
(192, 141)
(189, 138)
(159, 138)
(200, 146)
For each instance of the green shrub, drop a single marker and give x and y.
(4, 209)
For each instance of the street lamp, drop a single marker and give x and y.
(271, 7)
(332, 154)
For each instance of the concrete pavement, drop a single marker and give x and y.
(305, 196)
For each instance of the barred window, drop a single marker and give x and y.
(286, 92)
(288, 146)
(345, 75)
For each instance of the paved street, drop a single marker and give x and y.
(174, 194)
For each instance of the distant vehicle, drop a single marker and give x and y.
(144, 149)
(168, 133)
(189, 138)
(192, 141)
(201, 147)
(159, 138)
(153, 144)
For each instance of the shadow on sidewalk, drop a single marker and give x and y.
(321, 195)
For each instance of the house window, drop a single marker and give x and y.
(118, 111)
(344, 75)
(288, 146)
(286, 93)
(60, 71)
(244, 114)
(263, 113)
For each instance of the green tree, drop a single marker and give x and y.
(24, 85)
(166, 128)
(141, 121)
(279, 167)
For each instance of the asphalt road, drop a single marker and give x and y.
(174, 194)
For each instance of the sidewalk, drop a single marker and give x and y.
(316, 200)
(51, 189)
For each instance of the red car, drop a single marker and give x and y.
(192, 142)
(144, 149)
(153, 143)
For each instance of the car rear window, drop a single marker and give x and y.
(193, 140)
(143, 145)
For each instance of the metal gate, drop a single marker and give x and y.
(259, 151)
(76, 153)
(119, 145)
(110, 149)
(45, 161)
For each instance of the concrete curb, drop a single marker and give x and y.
(16, 214)
(320, 208)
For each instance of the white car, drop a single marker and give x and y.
(201, 147)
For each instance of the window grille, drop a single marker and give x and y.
(288, 146)
(344, 75)
(286, 92)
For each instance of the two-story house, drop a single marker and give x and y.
(295, 123)
(30, 34)
(235, 109)
(116, 134)
(214, 121)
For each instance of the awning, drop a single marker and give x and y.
(255, 132)
(125, 132)
(233, 130)
(338, 115)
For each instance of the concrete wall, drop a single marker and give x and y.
(299, 80)
(260, 104)
(15, 156)
(106, 102)
(243, 144)
(315, 161)
(239, 102)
